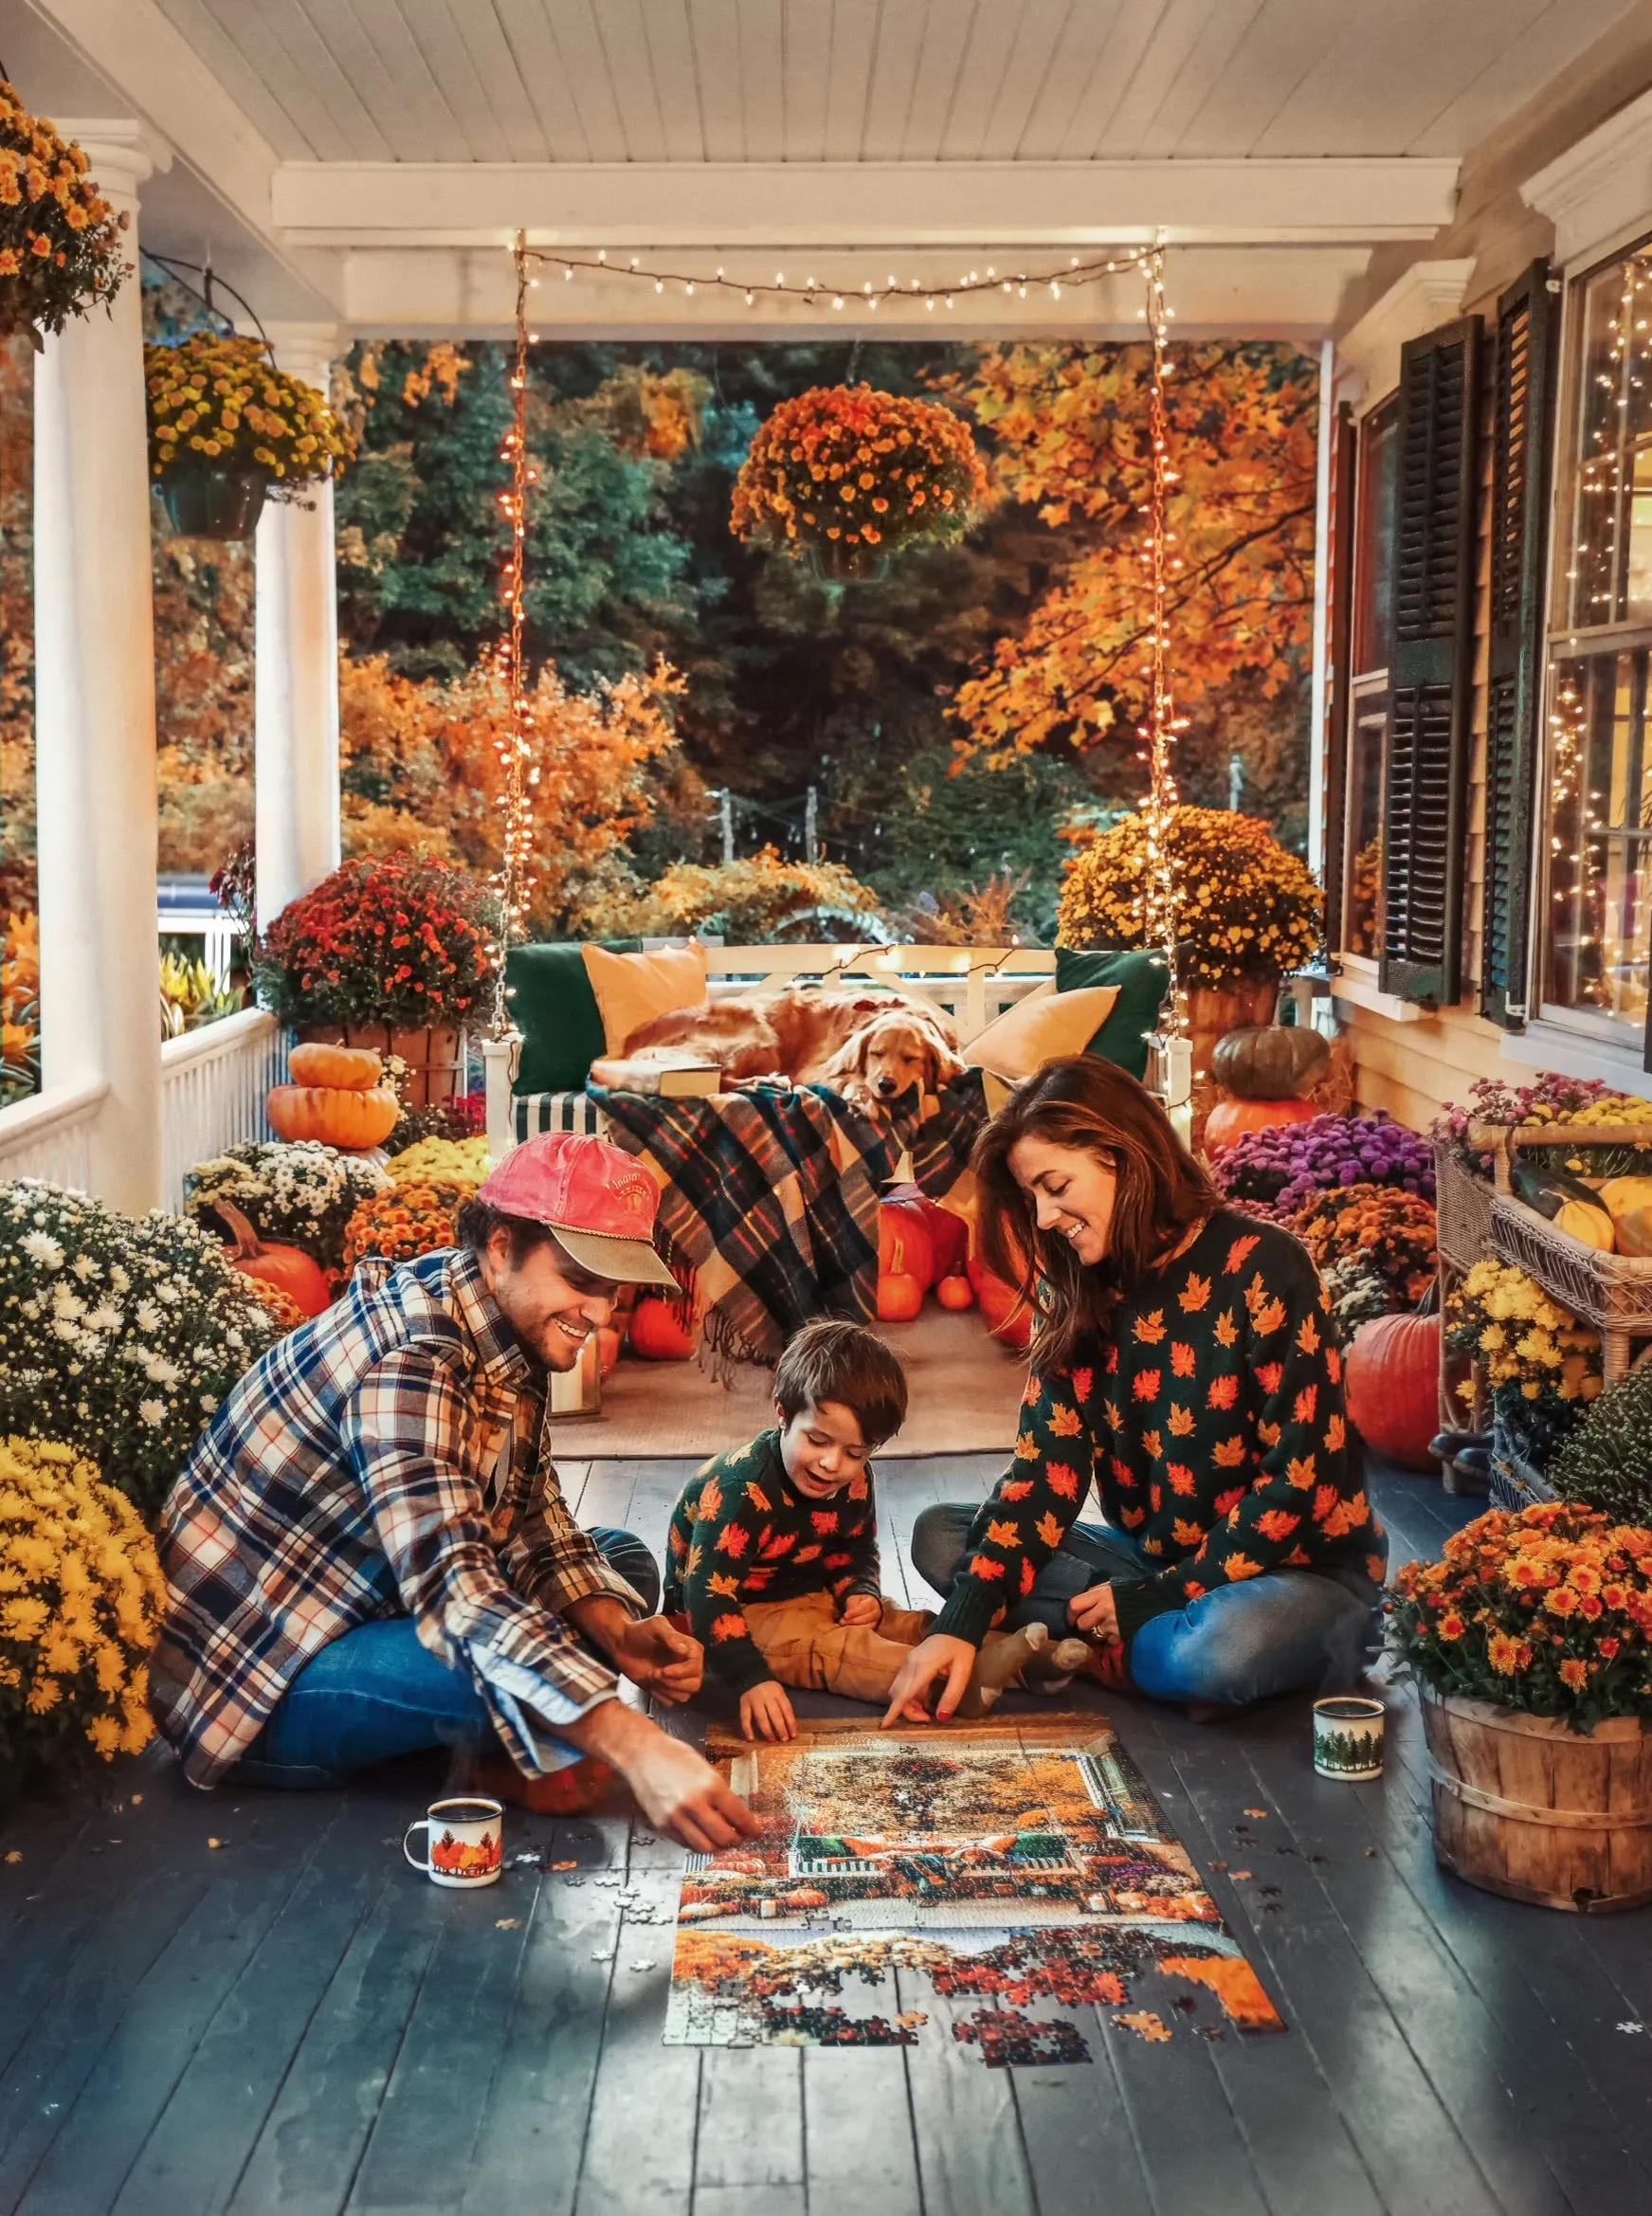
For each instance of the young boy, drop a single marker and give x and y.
(773, 1546)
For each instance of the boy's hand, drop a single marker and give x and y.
(766, 1713)
(664, 1660)
(938, 1656)
(863, 1611)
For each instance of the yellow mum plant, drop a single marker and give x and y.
(440, 1161)
(61, 250)
(217, 403)
(1244, 906)
(81, 1601)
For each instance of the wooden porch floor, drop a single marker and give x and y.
(251, 2005)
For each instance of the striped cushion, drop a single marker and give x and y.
(534, 1113)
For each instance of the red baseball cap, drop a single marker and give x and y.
(599, 1202)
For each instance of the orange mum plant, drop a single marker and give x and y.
(60, 239)
(408, 1221)
(1548, 1611)
(851, 475)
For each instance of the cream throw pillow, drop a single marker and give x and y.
(1042, 1027)
(631, 990)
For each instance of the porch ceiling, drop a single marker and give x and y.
(373, 158)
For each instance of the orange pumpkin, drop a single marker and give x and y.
(1392, 1382)
(1231, 1120)
(660, 1333)
(1005, 1314)
(954, 1293)
(350, 1119)
(344, 1069)
(608, 1348)
(906, 1242)
(288, 1268)
(900, 1297)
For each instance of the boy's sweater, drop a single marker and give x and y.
(1211, 1424)
(740, 1534)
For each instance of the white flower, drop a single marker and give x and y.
(66, 1301)
(147, 1315)
(42, 1247)
(118, 1278)
(84, 1268)
(153, 1411)
(105, 1317)
(210, 1403)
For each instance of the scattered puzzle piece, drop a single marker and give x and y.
(1255, 1812)
(14, 1855)
(1145, 2025)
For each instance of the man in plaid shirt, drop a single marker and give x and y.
(365, 1553)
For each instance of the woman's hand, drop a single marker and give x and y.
(937, 1656)
(863, 1611)
(766, 1713)
(1094, 1611)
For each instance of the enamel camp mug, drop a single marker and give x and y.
(463, 1841)
(1348, 1738)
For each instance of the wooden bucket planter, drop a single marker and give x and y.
(1526, 1807)
(435, 1057)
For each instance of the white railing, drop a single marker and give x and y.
(49, 1136)
(213, 1086)
(217, 933)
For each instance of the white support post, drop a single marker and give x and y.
(295, 681)
(1319, 738)
(95, 710)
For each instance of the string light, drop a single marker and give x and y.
(515, 746)
(1160, 917)
(1075, 273)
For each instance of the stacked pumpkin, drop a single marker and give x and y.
(337, 1095)
(1263, 1071)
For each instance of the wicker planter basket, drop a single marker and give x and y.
(1526, 1807)
(1463, 1205)
(1516, 1484)
(435, 1057)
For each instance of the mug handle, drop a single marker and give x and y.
(423, 1825)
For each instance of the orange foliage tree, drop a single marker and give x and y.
(422, 770)
(1070, 427)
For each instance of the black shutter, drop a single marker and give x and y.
(1426, 785)
(1336, 736)
(1522, 426)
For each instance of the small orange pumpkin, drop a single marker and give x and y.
(344, 1069)
(1005, 1314)
(660, 1332)
(1392, 1378)
(608, 1348)
(288, 1269)
(1230, 1120)
(336, 1117)
(954, 1293)
(900, 1297)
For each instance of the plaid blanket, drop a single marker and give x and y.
(770, 1197)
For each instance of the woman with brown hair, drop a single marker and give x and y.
(1185, 1363)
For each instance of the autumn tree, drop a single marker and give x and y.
(1070, 432)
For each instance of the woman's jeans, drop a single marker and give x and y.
(1287, 1631)
(377, 1693)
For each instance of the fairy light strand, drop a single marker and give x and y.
(1018, 283)
(1159, 916)
(516, 745)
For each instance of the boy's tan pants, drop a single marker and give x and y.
(805, 1645)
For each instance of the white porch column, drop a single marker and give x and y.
(295, 681)
(95, 709)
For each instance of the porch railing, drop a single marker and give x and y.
(48, 1136)
(213, 1085)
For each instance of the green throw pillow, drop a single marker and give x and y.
(552, 1006)
(1141, 978)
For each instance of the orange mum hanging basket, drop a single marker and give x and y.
(848, 475)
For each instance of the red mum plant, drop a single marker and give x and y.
(391, 939)
(851, 475)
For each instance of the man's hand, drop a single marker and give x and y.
(1096, 1611)
(936, 1657)
(664, 1660)
(766, 1713)
(863, 1611)
(678, 1791)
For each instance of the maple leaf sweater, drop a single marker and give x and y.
(740, 1534)
(1211, 1424)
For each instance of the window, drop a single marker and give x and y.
(1372, 644)
(1598, 834)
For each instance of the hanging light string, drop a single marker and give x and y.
(1159, 916)
(1019, 284)
(515, 745)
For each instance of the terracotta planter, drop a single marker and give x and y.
(435, 1057)
(213, 504)
(1526, 1807)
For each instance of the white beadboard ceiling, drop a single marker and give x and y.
(879, 80)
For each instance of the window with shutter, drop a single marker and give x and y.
(1522, 417)
(1432, 665)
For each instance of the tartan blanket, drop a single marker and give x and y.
(770, 1197)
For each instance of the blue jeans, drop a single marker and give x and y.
(1287, 1631)
(377, 1693)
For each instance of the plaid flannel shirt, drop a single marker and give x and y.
(351, 1475)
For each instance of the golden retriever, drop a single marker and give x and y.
(872, 1048)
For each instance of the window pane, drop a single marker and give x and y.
(1600, 846)
(1373, 622)
(1362, 906)
(1610, 569)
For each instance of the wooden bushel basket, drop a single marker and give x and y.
(435, 1057)
(1526, 1807)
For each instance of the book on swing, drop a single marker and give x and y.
(673, 1074)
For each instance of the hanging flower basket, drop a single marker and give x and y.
(228, 431)
(60, 239)
(847, 477)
